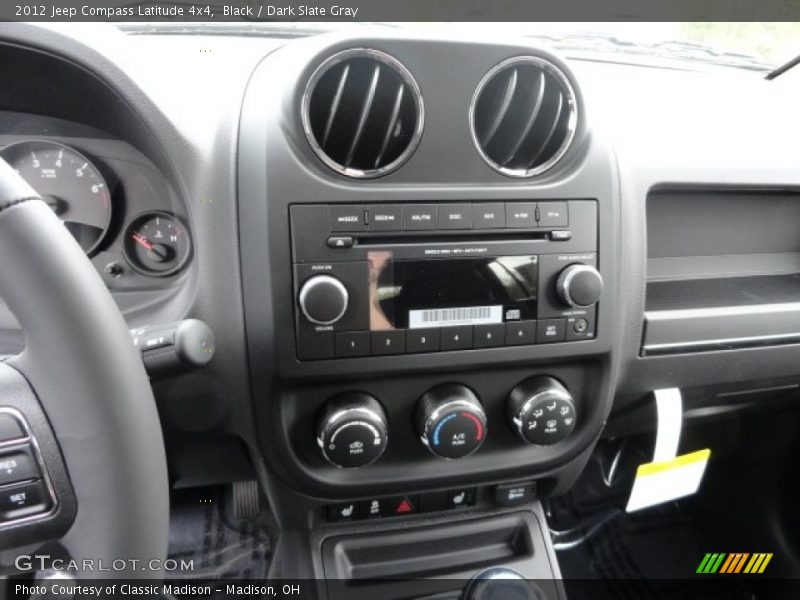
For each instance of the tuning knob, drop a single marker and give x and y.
(579, 286)
(450, 421)
(541, 411)
(323, 299)
(352, 430)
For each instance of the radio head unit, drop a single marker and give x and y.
(371, 280)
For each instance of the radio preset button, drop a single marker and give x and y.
(352, 343)
(457, 338)
(490, 336)
(520, 333)
(489, 216)
(455, 216)
(388, 342)
(347, 218)
(385, 217)
(521, 214)
(418, 217)
(551, 330)
(422, 340)
(553, 214)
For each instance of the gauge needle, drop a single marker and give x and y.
(142, 242)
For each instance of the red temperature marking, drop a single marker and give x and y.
(478, 424)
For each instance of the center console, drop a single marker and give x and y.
(430, 313)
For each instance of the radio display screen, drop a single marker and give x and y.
(442, 292)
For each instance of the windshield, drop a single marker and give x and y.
(759, 46)
(756, 46)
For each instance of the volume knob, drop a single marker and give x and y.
(323, 299)
(579, 286)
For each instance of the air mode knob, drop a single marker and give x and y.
(323, 299)
(450, 421)
(579, 285)
(352, 430)
(541, 411)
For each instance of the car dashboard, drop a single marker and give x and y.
(438, 270)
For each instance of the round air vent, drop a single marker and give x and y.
(362, 113)
(523, 116)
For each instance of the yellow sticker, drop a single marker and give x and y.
(678, 461)
(667, 480)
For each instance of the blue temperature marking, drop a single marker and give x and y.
(439, 426)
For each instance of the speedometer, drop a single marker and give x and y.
(70, 184)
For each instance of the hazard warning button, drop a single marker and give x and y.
(403, 505)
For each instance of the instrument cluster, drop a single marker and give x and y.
(116, 204)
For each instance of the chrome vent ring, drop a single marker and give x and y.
(524, 116)
(362, 113)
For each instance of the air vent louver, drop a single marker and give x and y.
(362, 113)
(523, 116)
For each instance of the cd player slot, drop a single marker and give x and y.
(365, 240)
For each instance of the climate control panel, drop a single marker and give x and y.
(449, 420)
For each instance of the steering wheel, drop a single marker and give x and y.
(82, 459)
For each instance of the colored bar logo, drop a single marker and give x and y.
(733, 563)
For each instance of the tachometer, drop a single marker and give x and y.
(70, 184)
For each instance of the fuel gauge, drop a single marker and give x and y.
(157, 244)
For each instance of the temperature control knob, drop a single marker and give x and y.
(541, 411)
(579, 286)
(323, 299)
(352, 430)
(450, 421)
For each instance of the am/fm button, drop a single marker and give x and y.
(420, 216)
